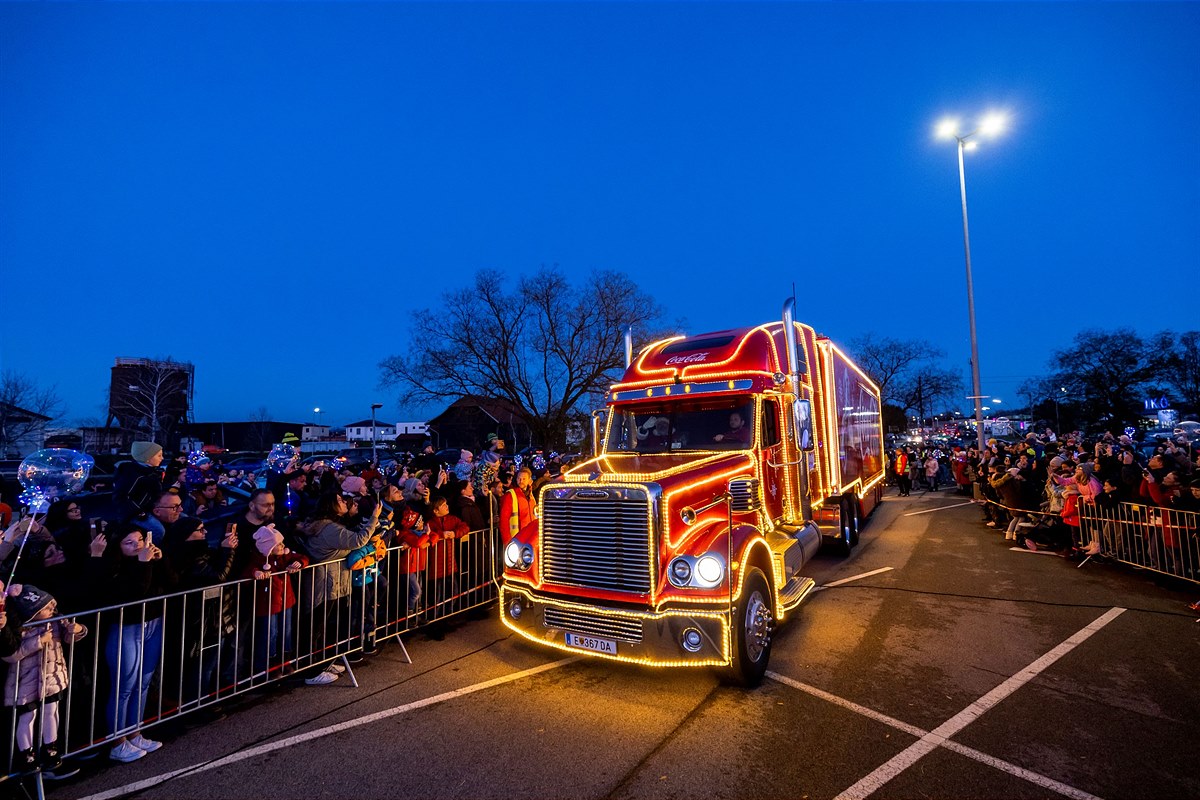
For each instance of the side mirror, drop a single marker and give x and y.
(802, 417)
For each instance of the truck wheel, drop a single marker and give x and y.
(855, 520)
(751, 626)
(847, 535)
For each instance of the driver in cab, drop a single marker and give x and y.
(738, 433)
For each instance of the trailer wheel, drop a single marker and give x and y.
(752, 623)
(855, 519)
(846, 537)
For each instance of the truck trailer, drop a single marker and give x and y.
(722, 464)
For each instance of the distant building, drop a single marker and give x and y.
(469, 419)
(314, 433)
(254, 436)
(362, 431)
(21, 431)
(151, 399)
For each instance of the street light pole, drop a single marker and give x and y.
(374, 457)
(991, 125)
(962, 185)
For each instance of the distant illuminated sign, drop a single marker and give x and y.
(1156, 403)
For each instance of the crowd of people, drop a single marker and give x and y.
(393, 538)
(1034, 489)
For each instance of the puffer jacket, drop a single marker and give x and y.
(327, 540)
(36, 671)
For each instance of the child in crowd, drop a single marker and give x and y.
(274, 597)
(37, 677)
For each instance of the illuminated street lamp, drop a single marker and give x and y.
(318, 412)
(374, 408)
(991, 125)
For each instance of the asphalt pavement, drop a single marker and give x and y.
(946, 665)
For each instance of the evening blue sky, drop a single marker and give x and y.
(272, 190)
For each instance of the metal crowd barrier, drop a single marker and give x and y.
(1164, 540)
(143, 663)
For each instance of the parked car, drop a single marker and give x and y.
(246, 464)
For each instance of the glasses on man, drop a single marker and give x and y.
(175, 507)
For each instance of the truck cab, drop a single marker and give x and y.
(723, 462)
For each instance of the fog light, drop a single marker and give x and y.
(691, 640)
(515, 609)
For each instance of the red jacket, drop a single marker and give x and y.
(444, 561)
(416, 555)
(274, 594)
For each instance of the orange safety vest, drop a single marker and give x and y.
(516, 510)
(901, 464)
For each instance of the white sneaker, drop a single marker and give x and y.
(336, 668)
(142, 743)
(322, 678)
(126, 752)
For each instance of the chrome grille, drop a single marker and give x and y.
(588, 623)
(598, 538)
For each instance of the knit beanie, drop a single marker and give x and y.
(265, 539)
(464, 455)
(144, 451)
(354, 485)
(26, 600)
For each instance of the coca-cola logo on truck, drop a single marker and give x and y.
(692, 359)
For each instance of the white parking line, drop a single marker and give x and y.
(853, 578)
(913, 730)
(270, 747)
(939, 736)
(941, 508)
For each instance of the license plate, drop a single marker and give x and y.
(608, 646)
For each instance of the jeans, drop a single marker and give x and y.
(132, 652)
(272, 635)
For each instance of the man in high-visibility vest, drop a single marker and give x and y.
(516, 510)
(901, 466)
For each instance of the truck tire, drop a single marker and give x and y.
(751, 627)
(855, 519)
(847, 535)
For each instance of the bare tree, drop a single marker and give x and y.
(545, 345)
(258, 437)
(154, 398)
(1108, 372)
(891, 362)
(928, 387)
(25, 410)
(1181, 365)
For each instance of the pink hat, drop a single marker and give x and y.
(265, 539)
(354, 485)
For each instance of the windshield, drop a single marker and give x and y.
(711, 424)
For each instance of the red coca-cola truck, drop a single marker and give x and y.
(723, 463)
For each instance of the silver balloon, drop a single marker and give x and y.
(281, 456)
(53, 473)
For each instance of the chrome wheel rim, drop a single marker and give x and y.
(757, 626)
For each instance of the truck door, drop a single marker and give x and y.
(771, 452)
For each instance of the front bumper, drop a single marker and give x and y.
(642, 637)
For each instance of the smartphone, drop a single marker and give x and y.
(230, 529)
(94, 523)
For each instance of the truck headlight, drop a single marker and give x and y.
(512, 554)
(710, 569)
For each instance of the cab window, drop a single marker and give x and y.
(770, 426)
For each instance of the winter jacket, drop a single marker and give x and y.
(38, 670)
(444, 531)
(415, 557)
(136, 487)
(327, 540)
(274, 594)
